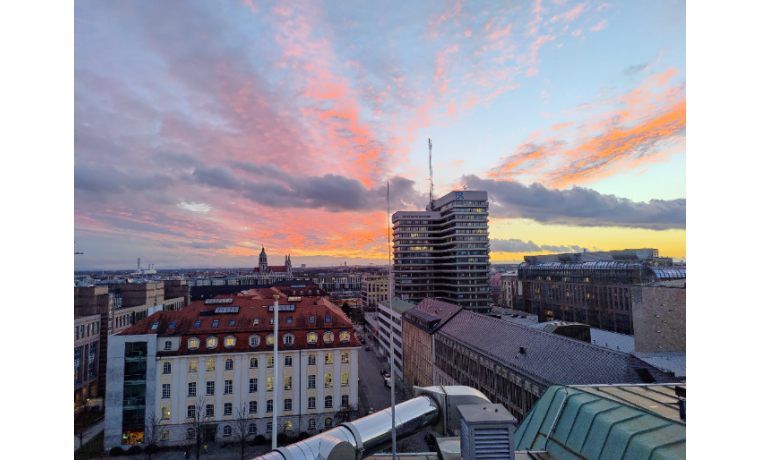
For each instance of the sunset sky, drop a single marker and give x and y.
(203, 130)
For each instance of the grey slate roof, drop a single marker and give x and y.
(438, 309)
(548, 358)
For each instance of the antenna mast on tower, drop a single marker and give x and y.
(430, 164)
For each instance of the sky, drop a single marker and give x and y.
(204, 130)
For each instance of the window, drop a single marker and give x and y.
(271, 320)
(165, 413)
(312, 424)
(255, 321)
(328, 337)
(191, 431)
(212, 342)
(227, 409)
(344, 379)
(191, 411)
(312, 381)
(167, 368)
(344, 401)
(328, 381)
(253, 407)
(192, 365)
(328, 319)
(168, 345)
(311, 319)
(215, 323)
(228, 386)
(252, 429)
(287, 383)
(288, 361)
(312, 360)
(192, 389)
(328, 358)
(193, 343)
(228, 364)
(197, 324)
(152, 328)
(311, 338)
(253, 385)
(229, 341)
(270, 383)
(269, 427)
(344, 357)
(270, 340)
(288, 339)
(209, 410)
(328, 422)
(210, 387)
(254, 363)
(288, 425)
(288, 320)
(232, 322)
(254, 340)
(288, 405)
(312, 402)
(270, 408)
(345, 336)
(270, 361)
(165, 435)
(173, 325)
(328, 402)
(227, 430)
(166, 391)
(210, 364)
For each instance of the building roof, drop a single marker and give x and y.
(618, 421)
(548, 358)
(399, 305)
(439, 309)
(274, 268)
(251, 307)
(674, 362)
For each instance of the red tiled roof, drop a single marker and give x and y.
(274, 268)
(251, 306)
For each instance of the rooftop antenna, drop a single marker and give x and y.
(430, 165)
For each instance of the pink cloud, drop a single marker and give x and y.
(599, 26)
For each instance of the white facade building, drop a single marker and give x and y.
(389, 328)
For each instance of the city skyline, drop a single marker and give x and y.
(204, 131)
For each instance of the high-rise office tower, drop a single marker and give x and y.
(443, 252)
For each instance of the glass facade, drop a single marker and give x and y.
(133, 413)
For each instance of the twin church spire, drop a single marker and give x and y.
(264, 266)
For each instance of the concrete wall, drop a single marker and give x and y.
(659, 318)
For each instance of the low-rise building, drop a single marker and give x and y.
(374, 289)
(210, 365)
(390, 331)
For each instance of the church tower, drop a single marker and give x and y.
(263, 262)
(288, 267)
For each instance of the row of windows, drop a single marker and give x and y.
(253, 363)
(256, 321)
(288, 339)
(251, 430)
(253, 408)
(86, 330)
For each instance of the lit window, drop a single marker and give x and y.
(228, 364)
(288, 361)
(154, 326)
(312, 360)
(311, 338)
(209, 410)
(345, 336)
(193, 343)
(254, 363)
(167, 368)
(270, 361)
(229, 341)
(312, 402)
(210, 388)
(253, 385)
(255, 321)
(227, 431)
(192, 365)
(328, 403)
(192, 389)
(288, 425)
(166, 391)
(253, 407)
(270, 340)
(344, 357)
(228, 386)
(344, 379)
(212, 342)
(227, 409)
(288, 406)
(270, 408)
(254, 340)
(191, 411)
(165, 413)
(288, 383)
(168, 345)
(287, 339)
(329, 337)
(270, 383)
(328, 381)
(210, 364)
(312, 381)
(328, 358)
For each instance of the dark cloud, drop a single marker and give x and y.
(105, 179)
(515, 245)
(577, 206)
(634, 69)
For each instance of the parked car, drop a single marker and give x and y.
(388, 382)
(386, 375)
(366, 348)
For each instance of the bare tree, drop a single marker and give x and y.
(152, 433)
(346, 414)
(197, 424)
(240, 428)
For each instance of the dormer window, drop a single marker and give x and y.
(168, 345)
(173, 325)
(212, 342)
(288, 339)
(197, 324)
(229, 341)
(328, 319)
(232, 322)
(345, 336)
(270, 340)
(328, 337)
(154, 326)
(254, 340)
(255, 321)
(311, 338)
(193, 343)
(215, 323)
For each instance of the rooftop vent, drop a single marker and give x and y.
(487, 432)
